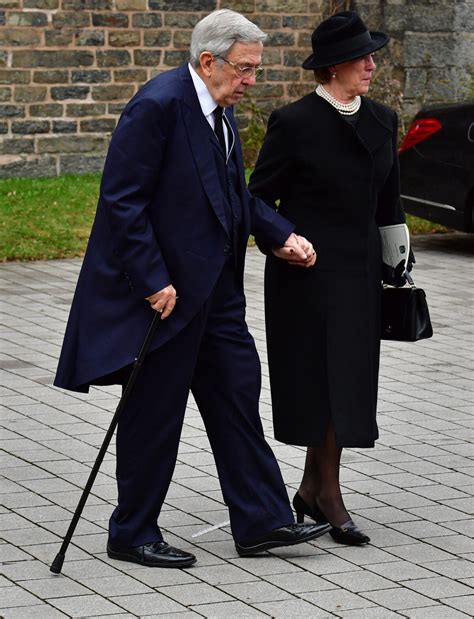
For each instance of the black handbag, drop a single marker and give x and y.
(405, 314)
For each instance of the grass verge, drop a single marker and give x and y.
(45, 218)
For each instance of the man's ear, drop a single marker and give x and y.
(205, 62)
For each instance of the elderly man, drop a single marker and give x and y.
(173, 219)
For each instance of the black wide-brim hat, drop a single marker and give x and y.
(340, 38)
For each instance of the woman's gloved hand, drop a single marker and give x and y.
(395, 276)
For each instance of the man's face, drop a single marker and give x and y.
(224, 81)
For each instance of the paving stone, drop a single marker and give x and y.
(292, 608)
(38, 611)
(436, 612)
(227, 609)
(399, 599)
(148, 603)
(439, 587)
(360, 581)
(299, 582)
(336, 600)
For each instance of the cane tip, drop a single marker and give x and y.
(57, 564)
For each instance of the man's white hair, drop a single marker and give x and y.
(218, 31)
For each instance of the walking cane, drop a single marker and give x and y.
(57, 564)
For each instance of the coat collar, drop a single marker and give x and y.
(372, 130)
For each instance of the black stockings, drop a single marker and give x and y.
(320, 483)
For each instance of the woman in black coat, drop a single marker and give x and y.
(330, 159)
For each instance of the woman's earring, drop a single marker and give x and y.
(333, 75)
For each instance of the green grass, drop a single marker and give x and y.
(44, 218)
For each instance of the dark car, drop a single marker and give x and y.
(437, 166)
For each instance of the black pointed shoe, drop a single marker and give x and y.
(154, 554)
(348, 533)
(285, 536)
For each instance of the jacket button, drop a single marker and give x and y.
(226, 249)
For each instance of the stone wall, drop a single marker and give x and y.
(67, 67)
(432, 46)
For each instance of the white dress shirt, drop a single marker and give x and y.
(208, 105)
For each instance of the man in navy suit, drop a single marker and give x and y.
(173, 218)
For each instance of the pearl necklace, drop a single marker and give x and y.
(343, 108)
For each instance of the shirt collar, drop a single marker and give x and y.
(207, 103)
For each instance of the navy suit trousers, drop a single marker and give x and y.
(215, 357)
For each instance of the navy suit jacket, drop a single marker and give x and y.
(160, 220)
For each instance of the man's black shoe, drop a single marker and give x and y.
(285, 536)
(154, 554)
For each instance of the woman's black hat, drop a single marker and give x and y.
(340, 38)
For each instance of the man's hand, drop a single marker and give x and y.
(297, 251)
(163, 301)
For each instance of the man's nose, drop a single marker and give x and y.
(250, 80)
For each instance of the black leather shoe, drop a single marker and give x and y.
(154, 554)
(348, 533)
(285, 536)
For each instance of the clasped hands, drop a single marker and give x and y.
(297, 251)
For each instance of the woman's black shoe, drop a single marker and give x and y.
(348, 533)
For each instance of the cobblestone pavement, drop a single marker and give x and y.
(412, 493)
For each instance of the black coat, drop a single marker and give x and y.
(337, 183)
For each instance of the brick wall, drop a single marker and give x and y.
(67, 67)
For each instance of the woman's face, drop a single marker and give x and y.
(354, 75)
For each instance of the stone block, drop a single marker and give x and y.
(3, 128)
(15, 37)
(71, 20)
(205, 6)
(130, 5)
(130, 75)
(175, 58)
(281, 38)
(41, 4)
(265, 91)
(9, 4)
(84, 5)
(282, 75)
(272, 57)
(433, 50)
(29, 127)
(147, 57)
(110, 20)
(80, 164)
(299, 90)
(300, 22)
(98, 125)
(72, 144)
(85, 109)
(293, 58)
(181, 38)
(12, 111)
(2, 18)
(304, 40)
(91, 76)
(57, 37)
(3, 58)
(147, 20)
(463, 16)
(114, 58)
(51, 77)
(281, 6)
(64, 126)
(90, 38)
(30, 94)
(16, 146)
(115, 108)
(130, 38)
(54, 59)
(5, 93)
(181, 20)
(33, 18)
(21, 166)
(46, 110)
(60, 93)
(113, 92)
(157, 38)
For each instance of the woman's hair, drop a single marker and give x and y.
(322, 75)
(217, 32)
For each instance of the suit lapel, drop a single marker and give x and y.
(202, 140)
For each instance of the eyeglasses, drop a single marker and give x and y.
(243, 71)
